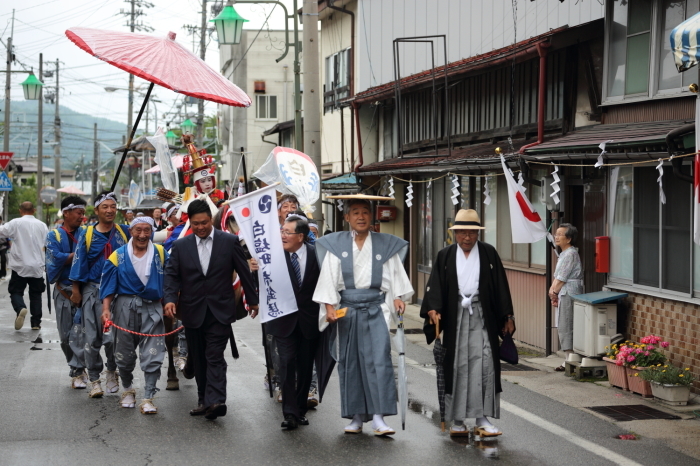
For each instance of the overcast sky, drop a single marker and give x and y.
(40, 26)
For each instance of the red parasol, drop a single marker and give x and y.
(71, 190)
(161, 61)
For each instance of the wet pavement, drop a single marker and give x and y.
(44, 421)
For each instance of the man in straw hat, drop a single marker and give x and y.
(134, 275)
(363, 272)
(96, 244)
(468, 294)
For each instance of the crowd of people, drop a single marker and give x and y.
(118, 287)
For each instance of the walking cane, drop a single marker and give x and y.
(437, 335)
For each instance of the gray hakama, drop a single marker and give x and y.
(474, 388)
(70, 334)
(143, 316)
(366, 373)
(94, 336)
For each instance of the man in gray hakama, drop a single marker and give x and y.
(468, 293)
(363, 273)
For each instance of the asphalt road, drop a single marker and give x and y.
(45, 422)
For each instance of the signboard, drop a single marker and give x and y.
(5, 182)
(4, 160)
(48, 194)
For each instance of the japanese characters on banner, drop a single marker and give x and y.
(256, 215)
(296, 173)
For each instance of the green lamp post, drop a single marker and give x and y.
(187, 126)
(32, 87)
(229, 25)
(171, 137)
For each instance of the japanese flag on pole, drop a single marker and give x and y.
(696, 175)
(256, 215)
(526, 224)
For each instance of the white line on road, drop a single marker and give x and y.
(551, 427)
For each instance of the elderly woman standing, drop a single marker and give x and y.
(568, 280)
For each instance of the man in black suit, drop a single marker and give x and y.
(297, 334)
(198, 284)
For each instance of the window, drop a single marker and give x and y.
(662, 242)
(337, 84)
(266, 107)
(639, 58)
(622, 225)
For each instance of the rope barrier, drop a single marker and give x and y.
(109, 324)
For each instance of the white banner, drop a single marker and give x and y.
(256, 215)
(526, 224)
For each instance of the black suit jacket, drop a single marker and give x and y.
(193, 292)
(307, 315)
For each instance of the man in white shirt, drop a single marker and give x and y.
(26, 260)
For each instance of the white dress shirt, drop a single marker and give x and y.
(301, 257)
(28, 235)
(209, 245)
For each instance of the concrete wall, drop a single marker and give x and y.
(257, 65)
(472, 27)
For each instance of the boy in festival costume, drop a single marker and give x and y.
(134, 273)
(94, 247)
(60, 249)
(203, 170)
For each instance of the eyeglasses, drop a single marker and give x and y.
(288, 233)
(472, 234)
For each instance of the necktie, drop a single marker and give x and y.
(204, 253)
(295, 266)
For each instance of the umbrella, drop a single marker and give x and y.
(684, 40)
(71, 190)
(325, 362)
(177, 163)
(439, 355)
(400, 343)
(161, 61)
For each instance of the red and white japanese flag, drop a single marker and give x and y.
(526, 224)
(696, 173)
(256, 216)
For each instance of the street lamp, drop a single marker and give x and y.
(171, 137)
(187, 126)
(32, 87)
(229, 25)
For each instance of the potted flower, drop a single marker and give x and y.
(669, 384)
(637, 357)
(617, 374)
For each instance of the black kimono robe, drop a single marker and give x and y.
(442, 295)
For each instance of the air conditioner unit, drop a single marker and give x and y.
(594, 325)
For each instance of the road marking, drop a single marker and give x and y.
(568, 435)
(551, 427)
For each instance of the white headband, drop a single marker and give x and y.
(73, 206)
(311, 224)
(172, 210)
(104, 197)
(138, 220)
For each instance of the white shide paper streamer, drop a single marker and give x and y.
(601, 146)
(555, 185)
(409, 195)
(455, 190)
(660, 168)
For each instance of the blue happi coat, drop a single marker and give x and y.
(119, 276)
(89, 261)
(59, 246)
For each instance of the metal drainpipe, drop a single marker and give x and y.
(360, 160)
(541, 95)
(673, 149)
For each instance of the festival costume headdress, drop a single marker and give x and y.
(196, 162)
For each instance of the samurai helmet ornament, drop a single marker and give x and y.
(196, 161)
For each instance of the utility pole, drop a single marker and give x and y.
(95, 164)
(40, 144)
(8, 84)
(202, 54)
(57, 141)
(312, 104)
(133, 26)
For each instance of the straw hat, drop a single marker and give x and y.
(467, 219)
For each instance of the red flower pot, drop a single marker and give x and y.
(617, 375)
(637, 384)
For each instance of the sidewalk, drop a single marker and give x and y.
(681, 435)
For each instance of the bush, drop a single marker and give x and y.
(668, 375)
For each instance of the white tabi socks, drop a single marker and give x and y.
(355, 427)
(486, 425)
(380, 427)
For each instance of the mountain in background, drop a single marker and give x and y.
(76, 132)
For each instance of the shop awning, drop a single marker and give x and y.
(633, 141)
(684, 43)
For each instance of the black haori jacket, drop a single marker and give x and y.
(442, 295)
